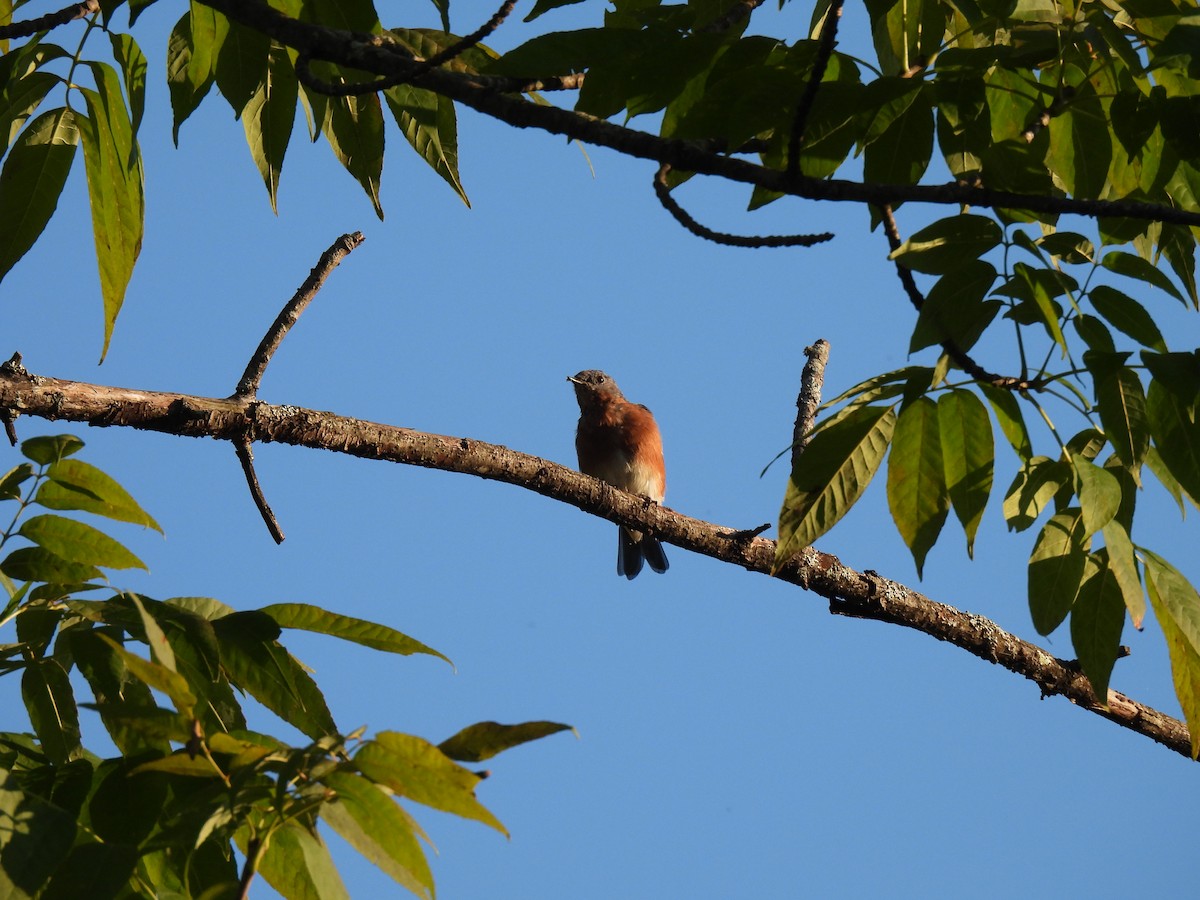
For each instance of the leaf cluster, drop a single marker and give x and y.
(191, 782)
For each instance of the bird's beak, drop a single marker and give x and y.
(573, 379)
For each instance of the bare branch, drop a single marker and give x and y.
(812, 379)
(851, 593)
(474, 38)
(50, 20)
(496, 97)
(731, 240)
(251, 379)
(960, 357)
(245, 455)
(825, 45)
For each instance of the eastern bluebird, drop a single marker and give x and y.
(618, 442)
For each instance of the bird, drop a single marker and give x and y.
(619, 442)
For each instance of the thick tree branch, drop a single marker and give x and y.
(378, 55)
(850, 593)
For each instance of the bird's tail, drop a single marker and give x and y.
(634, 548)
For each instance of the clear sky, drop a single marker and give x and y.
(735, 740)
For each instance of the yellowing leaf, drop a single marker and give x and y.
(831, 474)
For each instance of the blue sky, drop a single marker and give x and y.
(735, 740)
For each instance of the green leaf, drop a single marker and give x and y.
(831, 475)
(157, 676)
(1097, 619)
(1123, 565)
(948, 244)
(189, 75)
(1081, 145)
(416, 769)
(43, 842)
(267, 118)
(484, 740)
(298, 865)
(544, 6)
(1127, 316)
(10, 484)
(1177, 608)
(111, 683)
(354, 128)
(955, 309)
(132, 61)
(427, 121)
(1071, 248)
(1179, 248)
(47, 449)
(1040, 287)
(902, 153)
(78, 542)
(1056, 569)
(1133, 266)
(378, 828)
(76, 485)
(1156, 465)
(360, 631)
(18, 100)
(259, 665)
(1009, 417)
(1176, 434)
(1122, 408)
(114, 174)
(968, 453)
(46, 692)
(32, 180)
(240, 64)
(39, 564)
(1099, 494)
(916, 482)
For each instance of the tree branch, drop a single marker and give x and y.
(825, 45)
(812, 379)
(288, 316)
(487, 95)
(663, 192)
(951, 349)
(50, 20)
(850, 593)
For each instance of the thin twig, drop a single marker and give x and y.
(418, 67)
(731, 240)
(812, 379)
(957, 354)
(50, 20)
(826, 42)
(252, 377)
(12, 366)
(245, 455)
(253, 850)
(472, 39)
